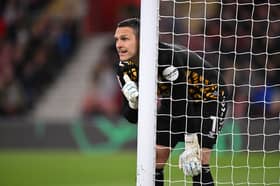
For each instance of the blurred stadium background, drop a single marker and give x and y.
(60, 102)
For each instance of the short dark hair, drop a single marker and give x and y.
(134, 23)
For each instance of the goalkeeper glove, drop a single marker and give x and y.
(190, 160)
(130, 91)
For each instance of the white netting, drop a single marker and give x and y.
(242, 39)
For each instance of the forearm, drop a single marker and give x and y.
(127, 76)
(130, 114)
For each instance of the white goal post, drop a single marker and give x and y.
(147, 93)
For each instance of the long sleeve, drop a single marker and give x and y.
(130, 114)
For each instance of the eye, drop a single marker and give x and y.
(124, 38)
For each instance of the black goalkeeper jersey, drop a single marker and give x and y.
(183, 78)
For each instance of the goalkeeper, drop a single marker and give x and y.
(192, 102)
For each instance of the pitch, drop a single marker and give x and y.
(72, 168)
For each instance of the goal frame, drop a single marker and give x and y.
(147, 109)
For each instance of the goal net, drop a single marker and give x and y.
(241, 39)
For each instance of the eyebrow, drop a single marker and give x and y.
(121, 36)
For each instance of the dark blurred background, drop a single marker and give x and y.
(58, 87)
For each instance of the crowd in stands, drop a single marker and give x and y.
(245, 40)
(104, 96)
(242, 39)
(34, 47)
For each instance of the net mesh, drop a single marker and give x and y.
(241, 39)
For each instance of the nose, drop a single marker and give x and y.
(118, 44)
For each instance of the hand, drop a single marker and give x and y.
(190, 160)
(190, 163)
(130, 91)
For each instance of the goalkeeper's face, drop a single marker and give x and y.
(126, 44)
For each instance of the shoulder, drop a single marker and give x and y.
(172, 54)
(180, 55)
(171, 47)
(176, 50)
